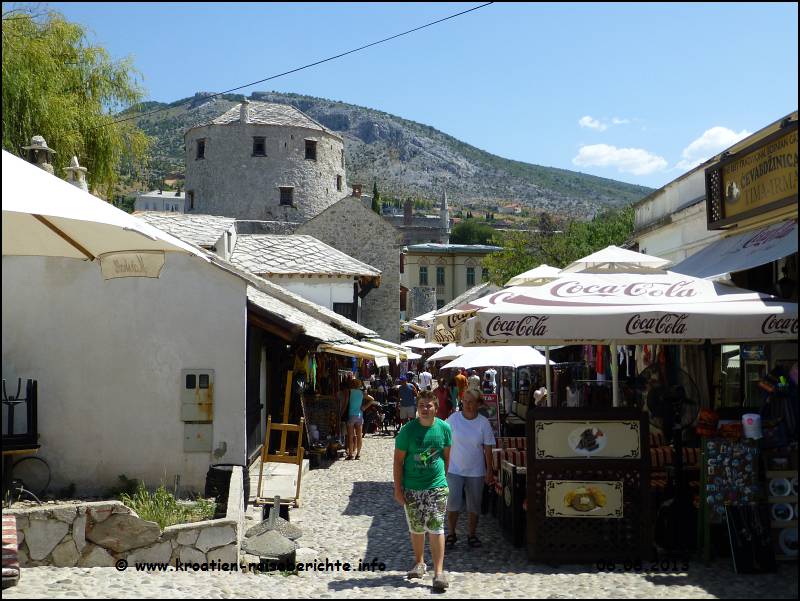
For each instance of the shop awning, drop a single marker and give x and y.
(353, 350)
(742, 251)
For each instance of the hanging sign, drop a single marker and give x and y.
(755, 180)
(143, 264)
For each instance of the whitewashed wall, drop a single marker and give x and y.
(323, 291)
(108, 356)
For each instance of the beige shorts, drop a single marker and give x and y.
(408, 412)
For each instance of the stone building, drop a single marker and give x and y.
(419, 229)
(263, 161)
(451, 268)
(166, 201)
(358, 231)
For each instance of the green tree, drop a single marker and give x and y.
(525, 250)
(57, 85)
(471, 232)
(376, 198)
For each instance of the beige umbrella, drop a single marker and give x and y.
(46, 216)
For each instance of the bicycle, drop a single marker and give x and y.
(28, 477)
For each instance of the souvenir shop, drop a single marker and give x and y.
(614, 467)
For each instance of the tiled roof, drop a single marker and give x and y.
(202, 230)
(251, 226)
(311, 326)
(268, 113)
(277, 255)
(310, 309)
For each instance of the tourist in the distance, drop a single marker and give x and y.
(408, 401)
(421, 455)
(425, 379)
(470, 467)
(355, 418)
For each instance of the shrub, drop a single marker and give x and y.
(162, 507)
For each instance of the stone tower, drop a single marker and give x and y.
(263, 161)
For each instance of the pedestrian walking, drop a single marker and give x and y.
(474, 381)
(461, 383)
(408, 401)
(470, 467)
(421, 457)
(425, 380)
(442, 392)
(355, 418)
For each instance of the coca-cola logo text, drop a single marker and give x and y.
(458, 318)
(680, 289)
(779, 325)
(526, 327)
(771, 234)
(667, 324)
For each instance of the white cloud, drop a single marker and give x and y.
(618, 121)
(591, 123)
(712, 141)
(627, 160)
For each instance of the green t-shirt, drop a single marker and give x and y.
(423, 468)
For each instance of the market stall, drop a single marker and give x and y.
(612, 298)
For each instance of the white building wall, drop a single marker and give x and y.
(108, 357)
(323, 291)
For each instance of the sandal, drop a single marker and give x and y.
(450, 541)
(348, 458)
(358, 455)
(474, 541)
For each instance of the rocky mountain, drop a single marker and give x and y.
(404, 157)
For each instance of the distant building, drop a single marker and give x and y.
(417, 229)
(163, 201)
(263, 161)
(450, 268)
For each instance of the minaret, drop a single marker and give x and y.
(76, 175)
(444, 216)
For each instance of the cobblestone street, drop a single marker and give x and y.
(349, 514)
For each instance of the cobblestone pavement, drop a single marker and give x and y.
(349, 514)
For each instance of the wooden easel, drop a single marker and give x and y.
(282, 455)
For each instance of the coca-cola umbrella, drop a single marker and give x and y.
(629, 308)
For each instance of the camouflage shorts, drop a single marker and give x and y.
(425, 510)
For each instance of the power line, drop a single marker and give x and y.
(310, 64)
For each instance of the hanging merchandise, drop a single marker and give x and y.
(598, 367)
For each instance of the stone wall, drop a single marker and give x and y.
(361, 233)
(230, 181)
(103, 533)
(421, 300)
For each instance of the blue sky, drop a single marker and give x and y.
(634, 92)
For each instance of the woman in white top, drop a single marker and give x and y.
(470, 466)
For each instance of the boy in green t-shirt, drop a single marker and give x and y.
(421, 459)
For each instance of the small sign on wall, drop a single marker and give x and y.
(144, 264)
(577, 439)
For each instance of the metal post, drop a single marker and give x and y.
(547, 376)
(614, 375)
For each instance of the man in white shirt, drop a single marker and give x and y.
(425, 379)
(470, 466)
(474, 381)
(492, 373)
